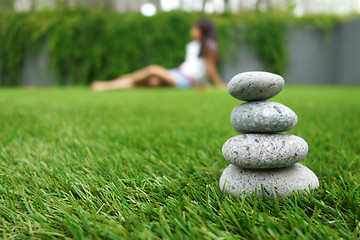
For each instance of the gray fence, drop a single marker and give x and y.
(313, 58)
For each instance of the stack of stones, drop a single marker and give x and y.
(262, 158)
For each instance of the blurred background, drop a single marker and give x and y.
(72, 42)
(298, 7)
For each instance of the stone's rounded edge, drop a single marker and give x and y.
(255, 85)
(284, 181)
(262, 151)
(263, 117)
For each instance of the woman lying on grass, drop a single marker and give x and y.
(200, 60)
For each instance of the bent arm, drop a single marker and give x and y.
(212, 71)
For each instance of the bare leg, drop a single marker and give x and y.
(131, 80)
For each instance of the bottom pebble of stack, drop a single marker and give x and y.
(284, 181)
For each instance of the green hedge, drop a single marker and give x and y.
(87, 44)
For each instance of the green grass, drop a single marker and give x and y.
(145, 164)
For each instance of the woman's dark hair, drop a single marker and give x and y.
(208, 37)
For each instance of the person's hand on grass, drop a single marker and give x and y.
(221, 86)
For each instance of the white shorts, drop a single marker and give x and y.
(181, 81)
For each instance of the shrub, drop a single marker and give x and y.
(89, 44)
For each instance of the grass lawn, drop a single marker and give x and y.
(145, 164)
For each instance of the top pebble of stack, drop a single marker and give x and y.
(255, 86)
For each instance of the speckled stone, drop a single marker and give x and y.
(284, 181)
(253, 86)
(264, 150)
(262, 117)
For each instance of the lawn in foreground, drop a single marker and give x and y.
(145, 164)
